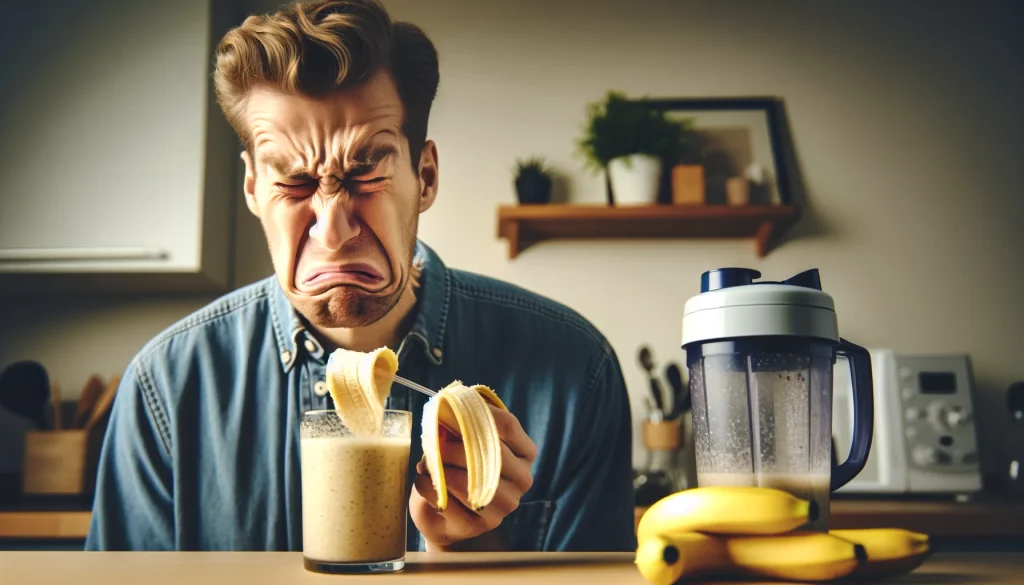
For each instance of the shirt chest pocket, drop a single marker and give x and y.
(526, 528)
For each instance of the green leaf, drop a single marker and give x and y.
(618, 126)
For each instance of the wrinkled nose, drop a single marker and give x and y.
(335, 222)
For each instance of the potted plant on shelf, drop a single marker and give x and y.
(532, 181)
(630, 139)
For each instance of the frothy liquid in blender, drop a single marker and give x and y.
(353, 498)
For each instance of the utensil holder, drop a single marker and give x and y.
(55, 463)
(664, 435)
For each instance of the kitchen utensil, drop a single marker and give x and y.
(413, 385)
(103, 404)
(924, 431)
(647, 363)
(680, 390)
(25, 391)
(1015, 400)
(55, 407)
(87, 400)
(1014, 443)
(760, 357)
(408, 383)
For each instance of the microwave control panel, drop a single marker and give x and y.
(937, 396)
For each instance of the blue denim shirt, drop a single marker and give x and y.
(202, 448)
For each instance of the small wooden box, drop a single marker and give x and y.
(688, 185)
(55, 463)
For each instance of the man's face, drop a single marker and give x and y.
(331, 181)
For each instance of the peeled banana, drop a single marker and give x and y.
(796, 556)
(726, 510)
(359, 384)
(463, 410)
(890, 551)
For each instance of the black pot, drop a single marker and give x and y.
(532, 189)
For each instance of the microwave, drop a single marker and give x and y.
(925, 439)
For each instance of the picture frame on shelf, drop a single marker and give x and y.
(740, 156)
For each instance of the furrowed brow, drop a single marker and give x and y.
(285, 167)
(367, 159)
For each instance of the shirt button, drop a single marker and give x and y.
(286, 356)
(437, 352)
(310, 346)
(320, 388)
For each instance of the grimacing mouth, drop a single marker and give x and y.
(390, 285)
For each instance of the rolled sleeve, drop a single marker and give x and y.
(133, 507)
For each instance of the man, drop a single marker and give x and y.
(331, 101)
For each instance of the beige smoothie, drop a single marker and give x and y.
(354, 498)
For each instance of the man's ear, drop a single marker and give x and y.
(249, 183)
(428, 175)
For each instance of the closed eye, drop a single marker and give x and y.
(304, 189)
(367, 185)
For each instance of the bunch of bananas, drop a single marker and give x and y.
(754, 532)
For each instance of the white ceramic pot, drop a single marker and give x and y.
(635, 179)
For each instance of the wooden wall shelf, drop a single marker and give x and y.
(524, 225)
(45, 524)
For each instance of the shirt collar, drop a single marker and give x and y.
(428, 326)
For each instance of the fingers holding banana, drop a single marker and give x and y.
(515, 470)
(505, 499)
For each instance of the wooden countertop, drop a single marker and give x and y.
(113, 568)
(986, 518)
(940, 519)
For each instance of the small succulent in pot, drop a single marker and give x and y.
(533, 181)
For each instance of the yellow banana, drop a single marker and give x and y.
(890, 551)
(359, 384)
(726, 510)
(664, 560)
(463, 410)
(797, 556)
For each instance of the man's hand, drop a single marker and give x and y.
(458, 523)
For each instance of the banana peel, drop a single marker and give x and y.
(463, 410)
(359, 384)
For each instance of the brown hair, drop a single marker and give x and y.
(317, 47)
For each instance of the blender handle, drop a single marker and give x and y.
(863, 413)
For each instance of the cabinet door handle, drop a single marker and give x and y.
(82, 254)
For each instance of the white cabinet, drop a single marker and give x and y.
(117, 168)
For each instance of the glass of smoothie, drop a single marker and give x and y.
(354, 491)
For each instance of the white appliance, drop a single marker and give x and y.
(924, 438)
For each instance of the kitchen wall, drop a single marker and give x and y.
(906, 124)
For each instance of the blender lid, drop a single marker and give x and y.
(732, 304)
